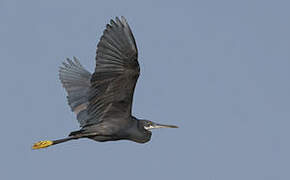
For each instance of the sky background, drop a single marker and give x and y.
(220, 70)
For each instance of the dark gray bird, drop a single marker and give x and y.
(102, 101)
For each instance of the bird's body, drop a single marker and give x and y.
(112, 132)
(102, 101)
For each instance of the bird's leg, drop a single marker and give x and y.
(46, 143)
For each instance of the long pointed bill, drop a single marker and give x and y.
(157, 126)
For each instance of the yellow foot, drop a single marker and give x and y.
(42, 144)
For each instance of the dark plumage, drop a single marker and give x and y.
(102, 101)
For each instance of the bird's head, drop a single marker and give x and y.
(148, 125)
(145, 126)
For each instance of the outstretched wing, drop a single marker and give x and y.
(116, 73)
(76, 81)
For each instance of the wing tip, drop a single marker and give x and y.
(118, 21)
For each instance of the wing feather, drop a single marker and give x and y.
(76, 81)
(116, 73)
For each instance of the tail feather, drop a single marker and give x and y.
(75, 133)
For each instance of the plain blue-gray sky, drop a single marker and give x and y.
(218, 69)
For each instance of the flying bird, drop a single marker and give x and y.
(102, 101)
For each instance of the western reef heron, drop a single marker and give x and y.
(102, 101)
